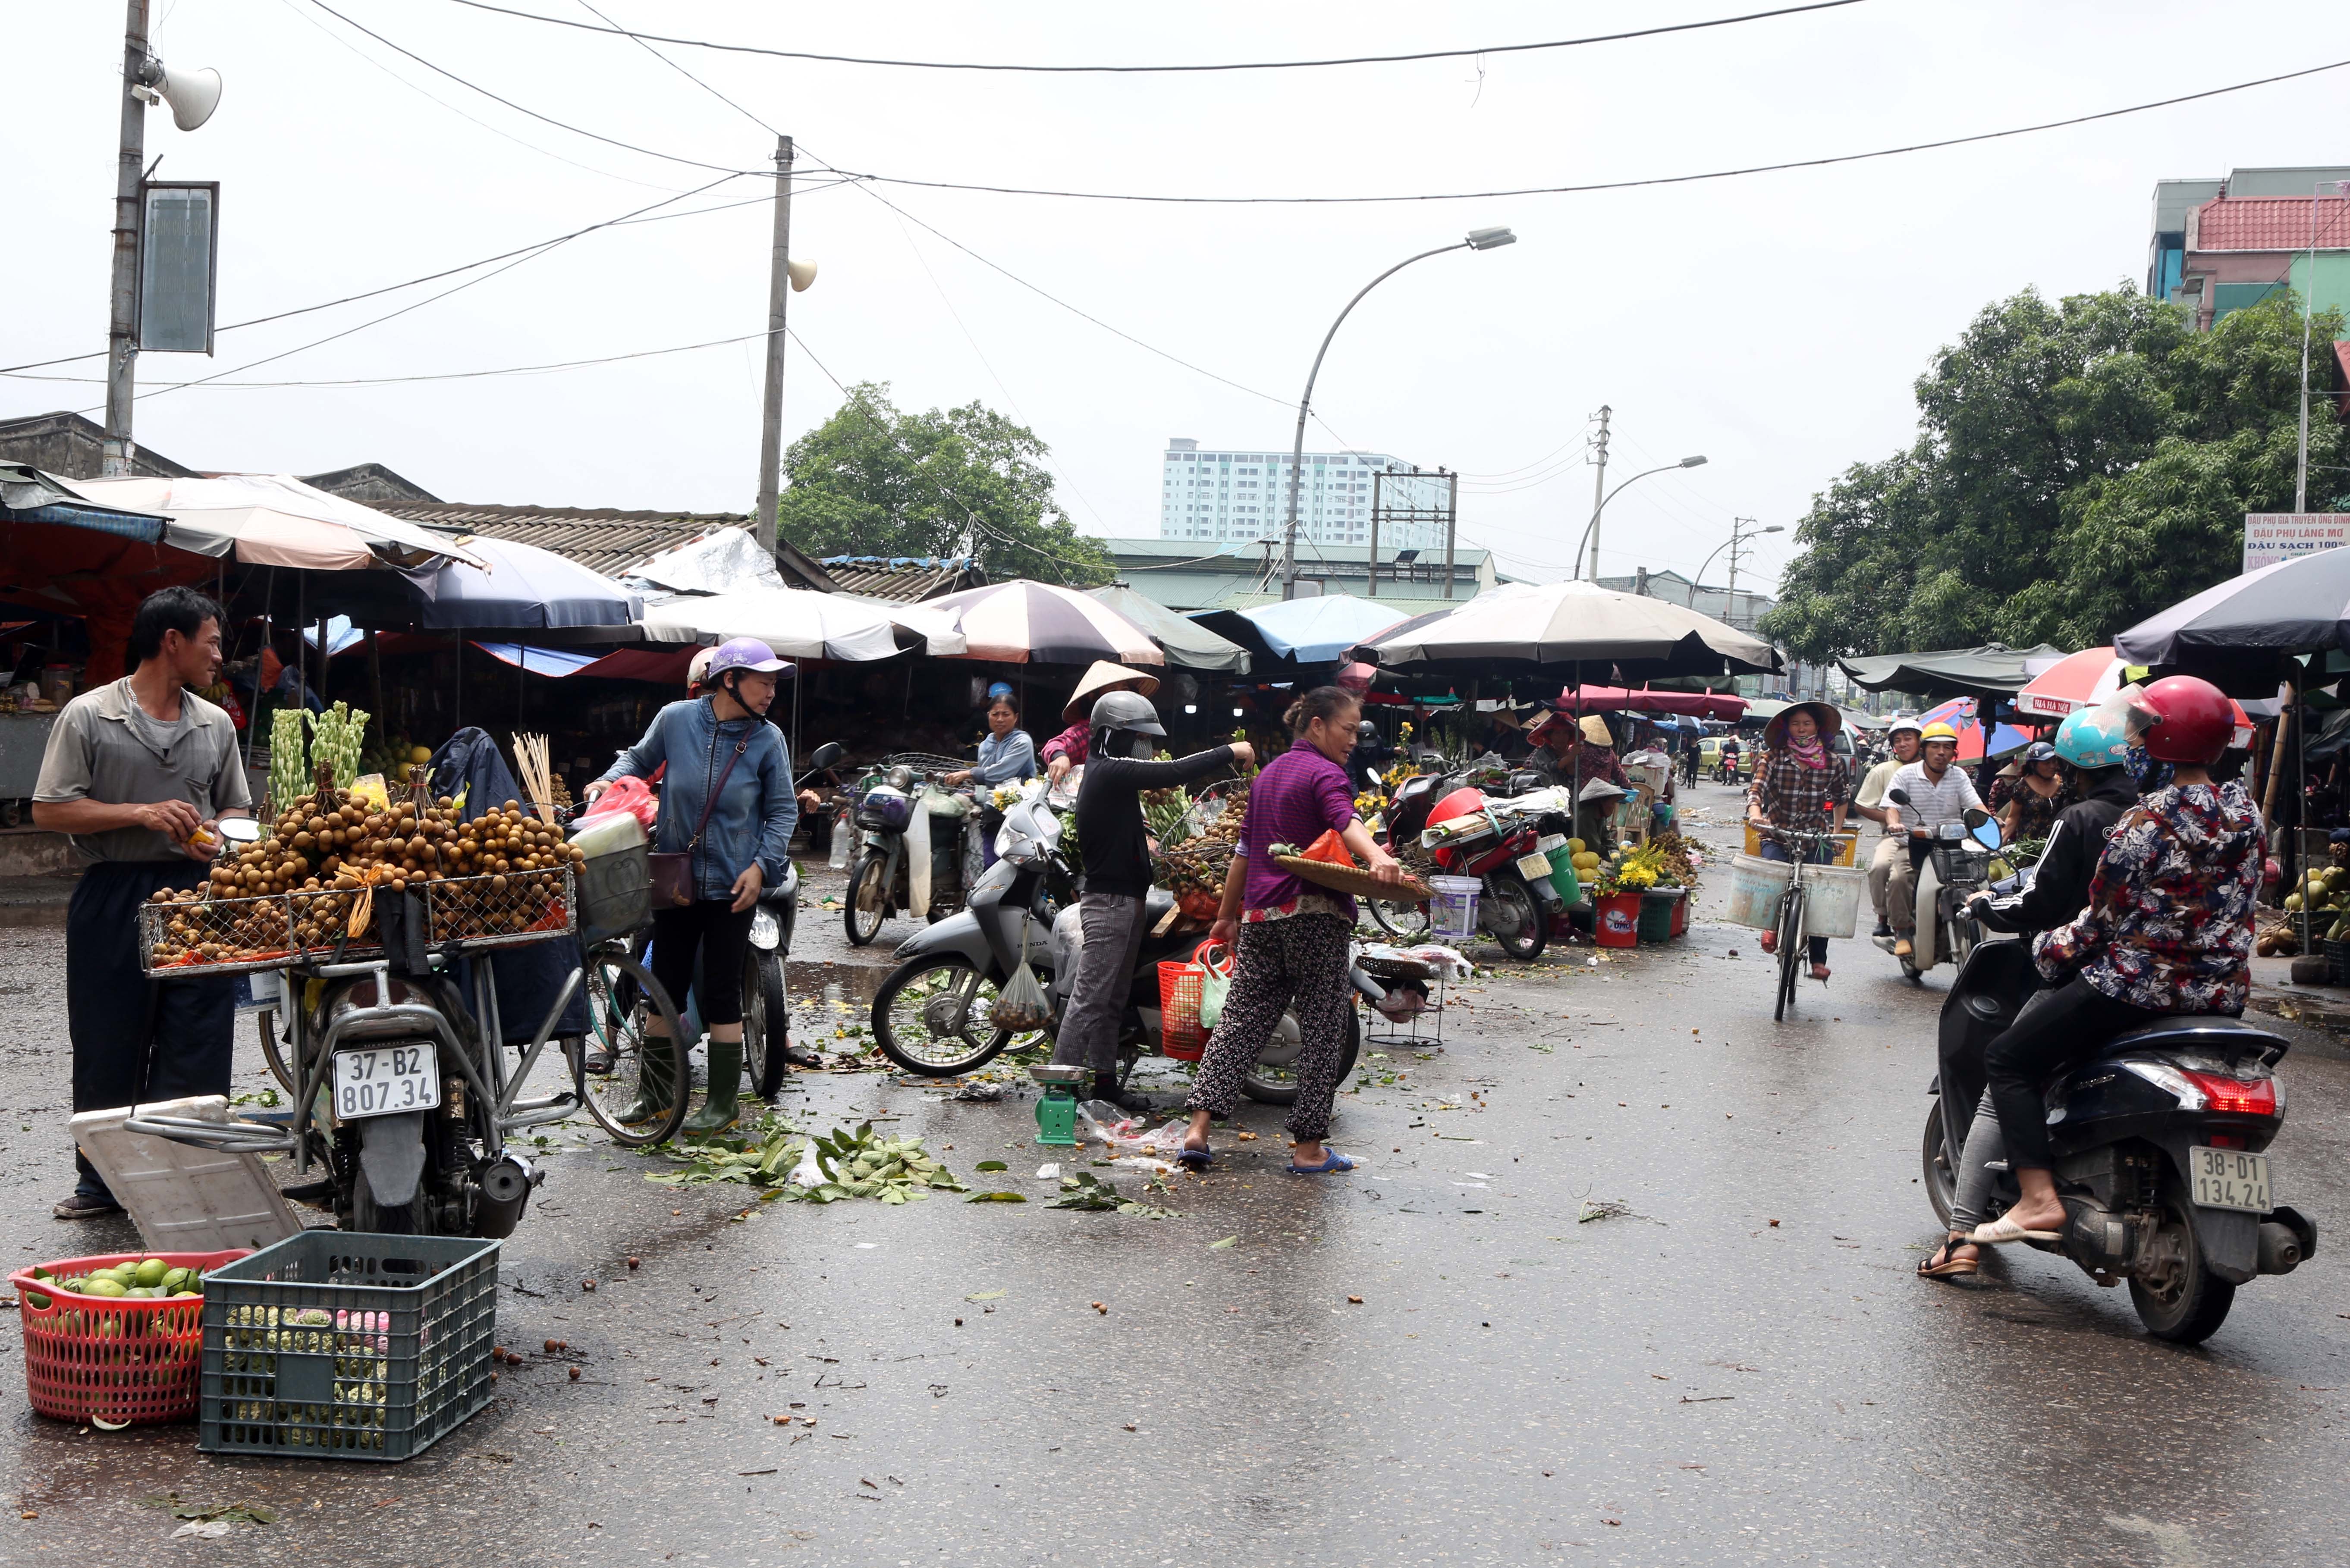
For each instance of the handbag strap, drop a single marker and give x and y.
(711, 803)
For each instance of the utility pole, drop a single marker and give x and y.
(779, 292)
(1737, 542)
(1599, 491)
(121, 333)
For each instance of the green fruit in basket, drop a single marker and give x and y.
(36, 1300)
(151, 1271)
(177, 1295)
(104, 1285)
(178, 1278)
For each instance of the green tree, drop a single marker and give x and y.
(2078, 467)
(873, 481)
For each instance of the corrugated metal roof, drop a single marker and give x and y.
(2267, 224)
(600, 539)
(903, 580)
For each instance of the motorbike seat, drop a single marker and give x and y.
(2202, 1033)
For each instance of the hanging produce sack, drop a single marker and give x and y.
(1022, 1004)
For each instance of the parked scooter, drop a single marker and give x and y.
(1494, 839)
(903, 858)
(933, 1014)
(2158, 1144)
(1957, 868)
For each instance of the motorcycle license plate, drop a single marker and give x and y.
(2230, 1178)
(384, 1079)
(1533, 866)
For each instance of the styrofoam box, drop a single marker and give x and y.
(184, 1198)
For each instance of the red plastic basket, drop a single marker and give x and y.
(109, 1358)
(1179, 1010)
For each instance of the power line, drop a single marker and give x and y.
(1161, 70)
(681, 71)
(432, 376)
(1594, 187)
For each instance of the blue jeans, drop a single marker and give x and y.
(1774, 850)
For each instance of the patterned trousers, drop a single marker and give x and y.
(1302, 960)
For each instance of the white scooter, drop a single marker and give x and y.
(1957, 868)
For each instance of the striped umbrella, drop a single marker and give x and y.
(1021, 622)
(2085, 679)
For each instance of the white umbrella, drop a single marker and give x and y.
(276, 520)
(799, 624)
(1021, 622)
(1573, 623)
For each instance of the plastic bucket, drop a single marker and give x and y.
(1831, 898)
(1453, 911)
(1562, 867)
(1755, 885)
(1616, 920)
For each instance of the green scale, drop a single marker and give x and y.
(1056, 1111)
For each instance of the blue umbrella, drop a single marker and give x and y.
(526, 587)
(1319, 630)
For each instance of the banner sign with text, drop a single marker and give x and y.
(2273, 536)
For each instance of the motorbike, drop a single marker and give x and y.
(1497, 845)
(900, 860)
(2159, 1141)
(933, 1014)
(1955, 870)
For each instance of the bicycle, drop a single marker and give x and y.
(1789, 926)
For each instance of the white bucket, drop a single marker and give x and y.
(1453, 911)
(1832, 900)
(1755, 885)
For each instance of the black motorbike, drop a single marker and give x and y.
(2159, 1141)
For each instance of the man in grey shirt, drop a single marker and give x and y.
(139, 772)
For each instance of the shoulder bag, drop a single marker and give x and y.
(672, 871)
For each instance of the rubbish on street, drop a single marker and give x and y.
(821, 1168)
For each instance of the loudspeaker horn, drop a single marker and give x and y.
(802, 273)
(192, 95)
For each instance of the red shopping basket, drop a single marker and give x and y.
(1180, 984)
(109, 1358)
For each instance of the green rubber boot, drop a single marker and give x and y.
(719, 1110)
(655, 1081)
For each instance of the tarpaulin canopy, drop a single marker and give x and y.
(660, 667)
(1951, 672)
(276, 520)
(1573, 623)
(521, 586)
(799, 623)
(1320, 630)
(64, 553)
(2085, 679)
(1186, 644)
(1616, 699)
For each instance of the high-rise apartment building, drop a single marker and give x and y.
(1220, 496)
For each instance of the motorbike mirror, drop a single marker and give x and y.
(239, 829)
(828, 755)
(1898, 796)
(1975, 816)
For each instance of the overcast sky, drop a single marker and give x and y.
(1773, 322)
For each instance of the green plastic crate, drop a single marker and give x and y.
(1657, 913)
(347, 1346)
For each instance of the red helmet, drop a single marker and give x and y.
(2180, 718)
(1459, 803)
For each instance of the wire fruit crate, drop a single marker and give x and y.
(236, 936)
(346, 1345)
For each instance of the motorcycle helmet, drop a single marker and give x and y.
(1938, 730)
(1901, 724)
(1124, 724)
(2179, 719)
(2088, 740)
(1461, 802)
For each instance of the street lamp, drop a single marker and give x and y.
(1591, 529)
(1477, 240)
(1737, 537)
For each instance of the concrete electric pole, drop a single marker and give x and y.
(779, 293)
(122, 328)
(1599, 491)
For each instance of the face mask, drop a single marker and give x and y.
(1143, 748)
(2142, 766)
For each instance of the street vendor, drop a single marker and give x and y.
(1067, 749)
(139, 772)
(1573, 753)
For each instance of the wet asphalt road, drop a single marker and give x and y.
(1738, 1368)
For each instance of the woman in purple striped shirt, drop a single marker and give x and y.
(1292, 936)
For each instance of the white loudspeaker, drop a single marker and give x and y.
(802, 273)
(192, 95)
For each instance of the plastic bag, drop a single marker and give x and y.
(1022, 1005)
(1127, 1136)
(1330, 850)
(1217, 961)
(628, 793)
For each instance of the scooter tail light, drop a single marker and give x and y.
(2163, 1075)
(2237, 1096)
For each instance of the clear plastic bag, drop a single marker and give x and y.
(1216, 961)
(1022, 1004)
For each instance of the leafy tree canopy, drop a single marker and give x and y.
(2078, 467)
(873, 481)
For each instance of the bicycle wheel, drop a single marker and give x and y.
(273, 1050)
(1790, 945)
(643, 1099)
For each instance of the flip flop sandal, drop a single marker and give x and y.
(1195, 1159)
(1332, 1163)
(1942, 1266)
(1996, 1233)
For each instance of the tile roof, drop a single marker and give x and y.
(2267, 224)
(601, 539)
(903, 580)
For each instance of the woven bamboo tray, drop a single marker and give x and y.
(1355, 880)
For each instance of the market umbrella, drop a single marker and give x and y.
(2087, 679)
(796, 622)
(1577, 623)
(1186, 644)
(1616, 699)
(523, 587)
(276, 520)
(2295, 606)
(1021, 622)
(1959, 713)
(1952, 671)
(1320, 630)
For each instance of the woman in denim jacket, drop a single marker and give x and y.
(722, 736)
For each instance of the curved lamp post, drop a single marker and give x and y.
(1591, 529)
(1478, 240)
(1736, 538)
